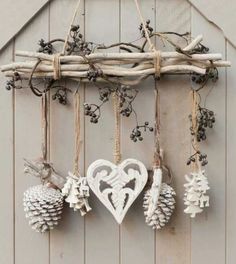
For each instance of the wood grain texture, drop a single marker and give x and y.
(209, 227)
(175, 108)
(67, 241)
(29, 246)
(230, 158)
(101, 229)
(7, 199)
(136, 236)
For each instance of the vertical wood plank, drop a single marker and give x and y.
(136, 236)
(30, 246)
(102, 232)
(7, 193)
(67, 241)
(173, 241)
(230, 157)
(208, 229)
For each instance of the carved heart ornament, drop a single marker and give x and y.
(117, 186)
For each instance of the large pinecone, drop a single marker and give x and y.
(43, 206)
(164, 208)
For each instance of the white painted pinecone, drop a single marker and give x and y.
(43, 206)
(165, 207)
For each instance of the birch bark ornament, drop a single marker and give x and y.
(43, 203)
(76, 189)
(117, 185)
(159, 201)
(195, 197)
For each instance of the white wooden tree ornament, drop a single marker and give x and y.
(76, 192)
(195, 197)
(117, 186)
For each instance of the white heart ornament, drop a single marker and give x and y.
(117, 186)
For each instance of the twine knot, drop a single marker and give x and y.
(56, 66)
(157, 63)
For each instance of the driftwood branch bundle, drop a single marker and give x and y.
(126, 67)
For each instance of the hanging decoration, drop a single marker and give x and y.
(43, 207)
(76, 189)
(116, 76)
(85, 61)
(195, 197)
(43, 203)
(117, 185)
(159, 201)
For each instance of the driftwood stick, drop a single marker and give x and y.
(112, 56)
(194, 43)
(123, 72)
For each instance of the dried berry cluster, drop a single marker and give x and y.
(94, 73)
(148, 27)
(11, 83)
(201, 49)
(202, 158)
(60, 95)
(137, 132)
(78, 45)
(45, 47)
(211, 74)
(126, 96)
(93, 111)
(205, 119)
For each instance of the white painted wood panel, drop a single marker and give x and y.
(97, 238)
(230, 158)
(175, 108)
(136, 236)
(67, 242)
(15, 15)
(29, 246)
(101, 229)
(209, 227)
(7, 192)
(221, 13)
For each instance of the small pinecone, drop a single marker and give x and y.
(165, 207)
(43, 206)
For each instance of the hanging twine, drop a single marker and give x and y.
(157, 58)
(157, 153)
(117, 152)
(71, 24)
(44, 124)
(77, 132)
(195, 103)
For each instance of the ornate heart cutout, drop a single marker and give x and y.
(117, 186)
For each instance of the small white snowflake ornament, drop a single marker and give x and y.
(195, 197)
(76, 192)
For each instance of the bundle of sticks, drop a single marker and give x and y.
(125, 67)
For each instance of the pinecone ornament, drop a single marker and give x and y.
(159, 202)
(43, 206)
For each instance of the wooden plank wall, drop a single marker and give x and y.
(210, 238)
